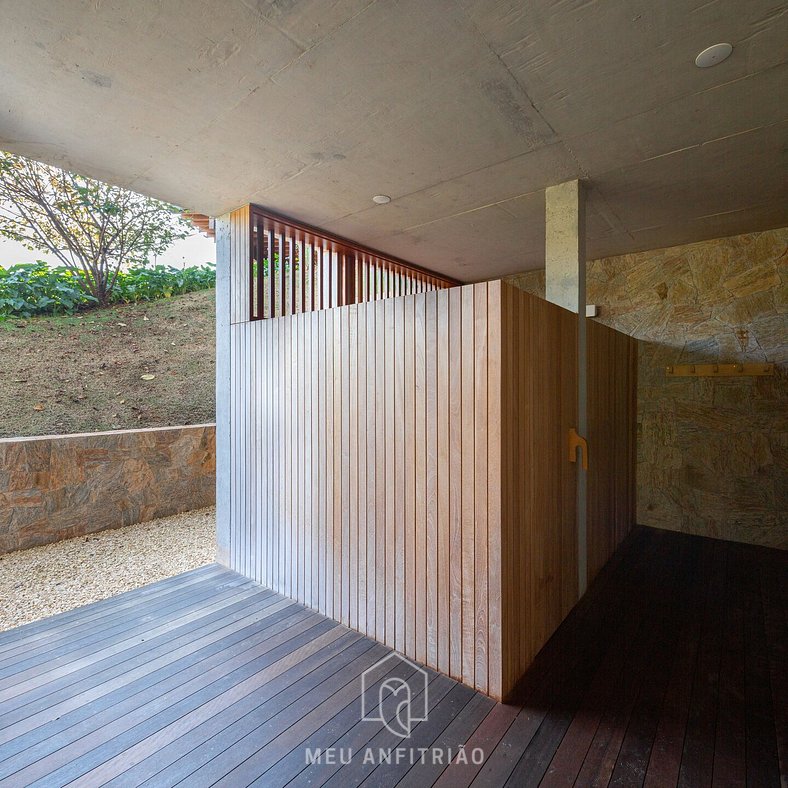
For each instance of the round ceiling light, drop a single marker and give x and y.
(713, 55)
(381, 199)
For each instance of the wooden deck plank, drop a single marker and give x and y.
(490, 731)
(89, 726)
(19, 638)
(356, 738)
(697, 759)
(260, 744)
(221, 604)
(605, 751)
(90, 650)
(333, 733)
(665, 758)
(356, 772)
(36, 635)
(133, 736)
(456, 734)
(666, 618)
(308, 689)
(34, 722)
(762, 764)
(569, 756)
(563, 704)
(450, 706)
(729, 746)
(89, 639)
(670, 670)
(775, 599)
(588, 623)
(175, 761)
(103, 678)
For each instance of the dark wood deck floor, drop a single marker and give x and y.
(672, 670)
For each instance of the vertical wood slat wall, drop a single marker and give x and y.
(612, 439)
(347, 495)
(539, 405)
(538, 490)
(400, 466)
(538, 484)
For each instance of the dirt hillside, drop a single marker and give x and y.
(84, 373)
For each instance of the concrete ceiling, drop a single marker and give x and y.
(462, 111)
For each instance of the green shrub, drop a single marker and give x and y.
(30, 289)
(160, 281)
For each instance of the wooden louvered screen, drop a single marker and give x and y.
(295, 268)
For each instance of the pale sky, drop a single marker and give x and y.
(193, 250)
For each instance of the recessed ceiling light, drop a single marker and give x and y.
(381, 199)
(713, 55)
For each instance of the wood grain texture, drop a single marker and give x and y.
(354, 490)
(400, 466)
(538, 405)
(612, 434)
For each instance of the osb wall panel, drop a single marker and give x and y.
(712, 453)
(59, 487)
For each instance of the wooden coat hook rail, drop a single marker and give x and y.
(718, 370)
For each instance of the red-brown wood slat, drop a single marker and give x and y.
(318, 270)
(282, 295)
(259, 237)
(292, 277)
(300, 274)
(312, 274)
(251, 273)
(272, 309)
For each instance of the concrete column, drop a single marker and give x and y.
(565, 245)
(223, 389)
(565, 285)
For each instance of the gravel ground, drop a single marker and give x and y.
(42, 581)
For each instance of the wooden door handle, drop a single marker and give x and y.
(576, 441)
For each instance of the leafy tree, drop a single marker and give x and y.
(93, 228)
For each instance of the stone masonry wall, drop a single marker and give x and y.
(712, 452)
(58, 487)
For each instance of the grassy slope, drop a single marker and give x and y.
(62, 375)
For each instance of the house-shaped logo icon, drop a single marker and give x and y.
(394, 692)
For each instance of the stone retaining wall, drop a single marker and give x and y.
(61, 486)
